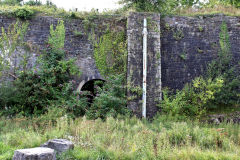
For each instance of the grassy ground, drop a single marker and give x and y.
(218, 9)
(123, 138)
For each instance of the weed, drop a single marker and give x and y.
(78, 33)
(200, 50)
(167, 27)
(200, 28)
(183, 56)
(178, 35)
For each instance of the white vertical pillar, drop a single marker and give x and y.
(144, 96)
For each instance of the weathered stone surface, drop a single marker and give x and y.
(135, 61)
(189, 44)
(39, 153)
(59, 145)
(76, 46)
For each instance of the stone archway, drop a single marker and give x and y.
(91, 88)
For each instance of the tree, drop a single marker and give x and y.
(163, 6)
(11, 2)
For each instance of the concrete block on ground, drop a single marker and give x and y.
(39, 153)
(59, 145)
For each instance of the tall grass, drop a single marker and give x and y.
(123, 138)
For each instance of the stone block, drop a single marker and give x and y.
(39, 153)
(59, 145)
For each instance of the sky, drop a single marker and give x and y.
(85, 5)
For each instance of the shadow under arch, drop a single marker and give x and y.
(91, 88)
(89, 85)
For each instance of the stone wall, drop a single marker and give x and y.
(77, 43)
(190, 43)
(187, 45)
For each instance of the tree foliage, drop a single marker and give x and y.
(11, 2)
(170, 6)
(162, 6)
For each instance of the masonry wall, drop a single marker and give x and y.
(188, 44)
(179, 48)
(77, 43)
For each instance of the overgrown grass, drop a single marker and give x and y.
(217, 9)
(45, 10)
(123, 138)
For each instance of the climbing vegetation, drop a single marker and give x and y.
(110, 53)
(11, 43)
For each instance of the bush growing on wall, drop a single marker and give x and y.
(23, 13)
(33, 3)
(50, 83)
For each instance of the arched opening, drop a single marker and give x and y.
(91, 88)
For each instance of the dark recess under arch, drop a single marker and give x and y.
(91, 87)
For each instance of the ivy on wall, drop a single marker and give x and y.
(110, 53)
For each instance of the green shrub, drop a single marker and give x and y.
(23, 13)
(33, 91)
(52, 82)
(192, 99)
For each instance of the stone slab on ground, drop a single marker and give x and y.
(59, 145)
(39, 153)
